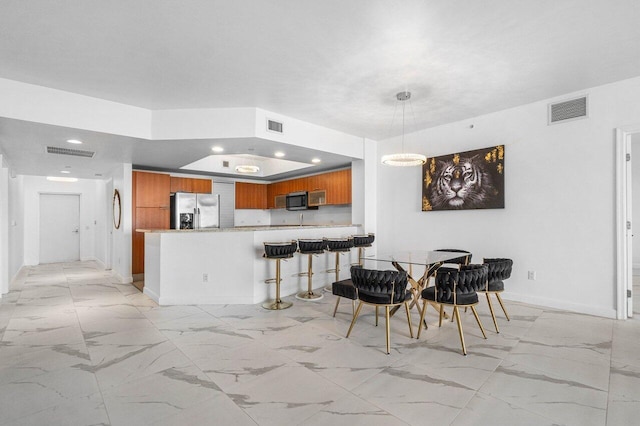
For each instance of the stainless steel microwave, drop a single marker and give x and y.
(299, 201)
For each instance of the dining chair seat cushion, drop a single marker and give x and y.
(496, 286)
(344, 288)
(429, 293)
(381, 299)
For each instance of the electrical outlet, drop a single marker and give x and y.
(205, 278)
(531, 275)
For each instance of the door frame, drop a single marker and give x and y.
(79, 194)
(624, 261)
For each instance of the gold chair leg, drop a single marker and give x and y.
(441, 312)
(424, 309)
(376, 315)
(386, 312)
(353, 307)
(475, 314)
(336, 308)
(355, 317)
(493, 315)
(502, 306)
(460, 332)
(406, 306)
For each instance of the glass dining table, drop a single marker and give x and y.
(407, 261)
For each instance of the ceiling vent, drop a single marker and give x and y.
(274, 126)
(225, 164)
(69, 151)
(573, 109)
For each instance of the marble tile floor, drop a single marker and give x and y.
(78, 349)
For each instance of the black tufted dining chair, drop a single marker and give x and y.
(499, 270)
(381, 289)
(456, 287)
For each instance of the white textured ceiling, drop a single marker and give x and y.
(335, 63)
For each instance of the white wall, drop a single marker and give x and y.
(16, 224)
(4, 227)
(120, 243)
(559, 218)
(91, 210)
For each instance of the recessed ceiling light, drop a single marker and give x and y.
(217, 149)
(279, 154)
(74, 141)
(61, 179)
(65, 171)
(316, 160)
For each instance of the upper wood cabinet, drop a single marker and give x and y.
(336, 184)
(251, 195)
(151, 189)
(181, 184)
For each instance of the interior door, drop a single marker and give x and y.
(59, 228)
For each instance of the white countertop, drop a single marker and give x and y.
(243, 228)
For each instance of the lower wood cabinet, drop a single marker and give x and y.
(146, 218)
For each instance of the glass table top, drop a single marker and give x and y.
(414, 257)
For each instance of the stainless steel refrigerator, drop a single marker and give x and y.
(195, 211)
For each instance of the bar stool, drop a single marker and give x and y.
(338, 246)
(361, 242)
(278, 251)
(310, 248)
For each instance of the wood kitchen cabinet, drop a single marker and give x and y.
(151, 189)
(150, 210)
(336, 184)
(146, 218)
(182, 184)
(251, 195)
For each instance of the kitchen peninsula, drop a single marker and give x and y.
(225, 266)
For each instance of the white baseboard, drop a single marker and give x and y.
(560, 304)
(152, 295)
(120, 278)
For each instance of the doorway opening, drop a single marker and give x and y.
(59, 228)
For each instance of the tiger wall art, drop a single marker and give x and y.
(465, 180)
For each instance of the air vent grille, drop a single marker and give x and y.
(225, 163)
(274, 126)
(69, 151)
(568, 110)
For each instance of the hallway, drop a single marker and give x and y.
(77, 348)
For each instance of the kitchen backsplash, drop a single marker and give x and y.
(325, 215)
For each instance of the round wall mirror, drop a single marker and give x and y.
(117, 210)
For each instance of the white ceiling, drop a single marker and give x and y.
(335, 63)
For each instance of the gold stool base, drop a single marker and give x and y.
(274, 305)
(309, 296)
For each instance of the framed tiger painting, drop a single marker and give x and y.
(464, 181)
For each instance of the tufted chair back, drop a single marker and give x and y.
(381, 287)
(499, 269)
(452, 284)
(462, 260)
(280, 250)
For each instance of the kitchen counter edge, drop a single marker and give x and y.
(243, 228)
